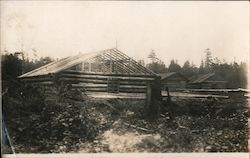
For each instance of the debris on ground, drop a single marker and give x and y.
(120, 125)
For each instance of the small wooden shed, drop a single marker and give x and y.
(208, 81)
(173, 81)
(109, 71)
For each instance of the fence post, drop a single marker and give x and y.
(169, 97)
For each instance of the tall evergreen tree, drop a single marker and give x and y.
(156, 65)
(188, 69)
(208, 60)
(152, 56)
(174, 66)
(201, 68)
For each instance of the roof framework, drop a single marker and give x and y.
(206, 77)
(123, 63)
(169, 74)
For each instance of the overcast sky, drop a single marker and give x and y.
(179, 30)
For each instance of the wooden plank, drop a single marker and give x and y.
(107, 74)
(96, 90)
(141, 83)
(192, 95)
(100, 77)
(133, 90)
(89, 81)
(40, 76)
(38, 69)
(82, 80)
(217, 90)
(133, 86)
(44, 83)
(106, 95)
(37, 79)
(89, 85)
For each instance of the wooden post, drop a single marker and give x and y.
(153, 98)
(148, 96)
(169, 97)
(157, 89)
(82, 68)
(89, 67)
(111, 66)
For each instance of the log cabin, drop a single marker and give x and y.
(109, 71)
(173, 81)
(208, 81)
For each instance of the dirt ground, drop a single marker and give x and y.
(119, 125)
(213, 130)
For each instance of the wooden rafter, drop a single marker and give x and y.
(136, 63)
(134, 67)
(123, 64)
(118, 64)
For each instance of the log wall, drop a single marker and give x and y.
(53, 85)
(114, 83)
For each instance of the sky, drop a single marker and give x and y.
(174, 30)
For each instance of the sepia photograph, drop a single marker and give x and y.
(124, 77)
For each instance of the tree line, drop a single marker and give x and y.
(234, 73)
(15, 64)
